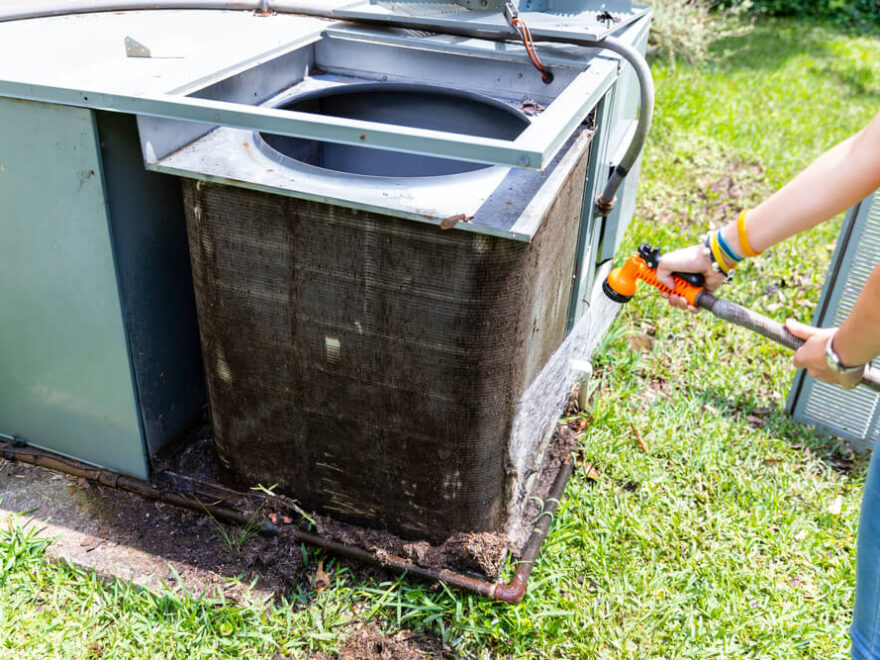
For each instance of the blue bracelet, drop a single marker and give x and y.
(710, 254)
(728, 252)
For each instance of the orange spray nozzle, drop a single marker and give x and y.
(622, 282)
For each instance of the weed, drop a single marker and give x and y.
(234, 538)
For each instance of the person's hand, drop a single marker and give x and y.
(687, 260)
(811, 356)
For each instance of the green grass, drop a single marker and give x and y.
(720, 541)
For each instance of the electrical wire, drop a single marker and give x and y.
(526, 35)
(511, 15)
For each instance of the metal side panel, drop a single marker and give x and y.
(624, 117)
(853, 414)
(589, 229)
(155, 282)
(65, 381)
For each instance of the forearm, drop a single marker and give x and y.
(839, 178)
(858, 340)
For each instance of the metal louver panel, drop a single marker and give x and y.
(853, 414)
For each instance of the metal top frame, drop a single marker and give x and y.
(533, 149)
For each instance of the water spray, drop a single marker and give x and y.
(622, 283)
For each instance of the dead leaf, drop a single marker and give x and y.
(800, 536)
(757, 421)
(712, 410)
(640, 342)
(91, 542)
(771, 461)
(592, 472)
(640, 439)
(277, 519)
(579, 424)
(322, 579)
(836, 506)
(530, 107)
(452, 220)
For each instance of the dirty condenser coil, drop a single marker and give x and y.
(852, 414)
(371, 365)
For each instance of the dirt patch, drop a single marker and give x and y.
(370, 643)
(712, 190)
(187, 467)
(472, 552)
(194, 456)
(153, 543)
(733, 190)
(120, 534)
(564, 442)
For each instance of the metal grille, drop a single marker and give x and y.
(853, 414)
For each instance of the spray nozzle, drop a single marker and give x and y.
(622, 282)
(650, 255)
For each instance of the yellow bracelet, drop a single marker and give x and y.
(717, 253)
(741, 234)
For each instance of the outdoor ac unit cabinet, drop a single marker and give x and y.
(852, 414)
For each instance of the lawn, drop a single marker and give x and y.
(731, 536)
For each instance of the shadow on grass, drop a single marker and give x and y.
(833, 451)
(770, 45)
(857, 79)
(773, 43)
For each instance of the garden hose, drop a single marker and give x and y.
(622, 282)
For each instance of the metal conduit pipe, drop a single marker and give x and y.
(63, 7)
(646, 116)
(511, 592)
(643, 72)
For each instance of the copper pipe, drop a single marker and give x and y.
(511, 592)
(515, 590)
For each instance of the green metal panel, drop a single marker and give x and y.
(615, 120)
(623, 118)
(65, 379)
(852, 414)
(155, 283)
(589, 231)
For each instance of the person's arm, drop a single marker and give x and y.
(857, 341)
(839, 178)
(835, 181)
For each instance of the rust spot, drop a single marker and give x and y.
(452, 220)
(246, 145)
(363, 136)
